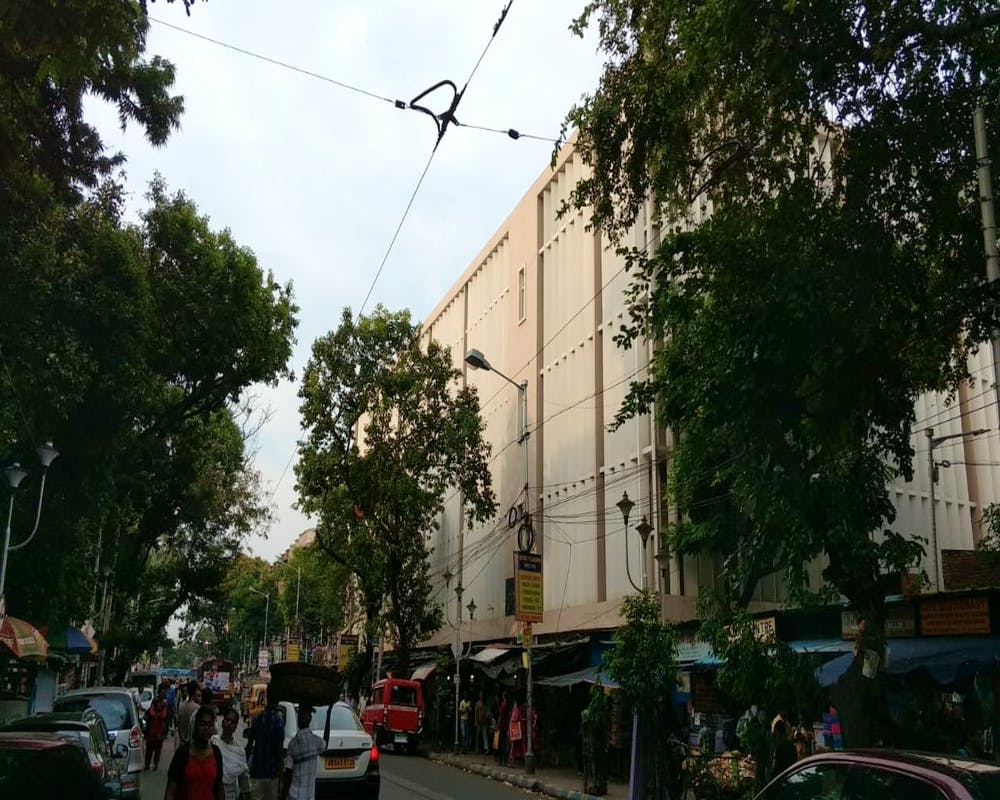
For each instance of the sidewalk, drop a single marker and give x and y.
(552, 781)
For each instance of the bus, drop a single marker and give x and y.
(218, 675)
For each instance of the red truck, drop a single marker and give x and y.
(395, 713)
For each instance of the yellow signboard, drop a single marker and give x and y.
(294, 650)
(347, 646)
(528, 600)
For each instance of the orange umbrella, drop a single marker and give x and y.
(23, 639)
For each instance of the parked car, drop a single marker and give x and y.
(120, 713)
(885, 774)
(349, 767)
(47, 766)
(88, 728)
(395, 713)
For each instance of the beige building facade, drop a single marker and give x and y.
(543, 301)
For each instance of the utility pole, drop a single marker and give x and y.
(933, 442)
(989, 231)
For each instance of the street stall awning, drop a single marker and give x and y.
(941, 656)
(23, 639)
(74, 641)
(586, 675)
(489, 655)
(423, 672)
(821, 646)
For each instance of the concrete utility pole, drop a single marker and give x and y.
(989, 231)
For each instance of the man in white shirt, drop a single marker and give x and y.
(300, 763)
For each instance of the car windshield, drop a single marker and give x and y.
(342, 719)
(115, 710)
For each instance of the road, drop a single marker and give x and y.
(403, 777)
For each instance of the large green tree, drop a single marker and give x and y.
(388, 432)
(820, 266)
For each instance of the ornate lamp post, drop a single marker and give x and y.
(14, 475)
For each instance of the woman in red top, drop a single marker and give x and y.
(156, 728)
(196, 769)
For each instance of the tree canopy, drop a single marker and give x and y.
(388, 431)
(820, 262)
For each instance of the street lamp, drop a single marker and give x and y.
(472, 609)
(14, 475)
(644, 529)
(625, 505)
(267, 608)
(933, 442)
(458, 661)
(475, 359)
(298, 591)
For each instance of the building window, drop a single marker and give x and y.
(508, 599)
(520, 295)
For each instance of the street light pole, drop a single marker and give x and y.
(267, 608)
(14, 475)
(933, 442)
(475, 359)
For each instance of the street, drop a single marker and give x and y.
(402, 777)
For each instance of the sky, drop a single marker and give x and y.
(314, 178)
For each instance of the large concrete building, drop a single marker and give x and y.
(543, 300)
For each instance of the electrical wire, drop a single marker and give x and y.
(284, 64)
(510, 133)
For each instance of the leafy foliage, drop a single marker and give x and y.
(837, 275)
(388, 432)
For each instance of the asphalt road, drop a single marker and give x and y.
(419, 778)
(403, 777)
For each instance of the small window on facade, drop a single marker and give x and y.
(508, 605)
(520, 295)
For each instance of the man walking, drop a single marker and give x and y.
(185, 715)
(266, 747)
(300, 766)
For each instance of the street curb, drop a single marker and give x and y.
(532, 784)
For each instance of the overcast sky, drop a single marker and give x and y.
(315, 178)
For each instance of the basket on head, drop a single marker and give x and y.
(299, 682)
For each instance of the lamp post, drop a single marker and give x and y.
(644, 529)
(14, 475)
(933, 442)
(267, 608)
(476, 360)
(625, 505)
(298, 592)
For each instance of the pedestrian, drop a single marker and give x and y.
(782, 748)
(300, 765)
(235, 770)
(207, 695)
(185, 714)
(195, 771)
(464, 710)
(156, 728)
(171, 698)
(503, 720)
(516, 735)
(482, 732)
(266, 744)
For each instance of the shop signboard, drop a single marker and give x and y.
(958, 616)
(899, 623)
(347, 646)
(294, 650)
(528, 600)
(263, 658)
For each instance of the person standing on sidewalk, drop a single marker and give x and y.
(464, 710)
(482, 732)
(503, 720)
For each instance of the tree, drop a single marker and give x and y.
(388, 432)
(319, 600)
(643, 662)
(837, 276)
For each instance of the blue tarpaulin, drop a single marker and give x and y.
(942, 657)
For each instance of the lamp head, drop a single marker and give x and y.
(472, 609)
(644, 529)
(475, 359)
(625, 505)
(47, 454)
(14, 475)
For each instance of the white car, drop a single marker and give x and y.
(349, 765)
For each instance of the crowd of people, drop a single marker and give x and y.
(498, 727)
(211, 764)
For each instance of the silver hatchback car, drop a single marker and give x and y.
(120, 713)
